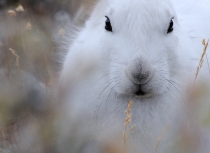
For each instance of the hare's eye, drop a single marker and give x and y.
(108, 25)
(170, 28)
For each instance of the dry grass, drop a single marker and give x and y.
(17, 63)
(160, 138)
(205, 44)
(127, 122)
(27, 44)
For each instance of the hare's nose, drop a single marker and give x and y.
(139, 71)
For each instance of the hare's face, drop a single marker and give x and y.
(142, 40)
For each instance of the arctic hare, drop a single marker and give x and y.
(144, 51)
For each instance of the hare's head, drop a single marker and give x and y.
(142, 42)
(142, 38)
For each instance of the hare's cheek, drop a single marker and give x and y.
(158, 85)
(122, 85)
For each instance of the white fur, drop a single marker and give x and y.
(98, 69)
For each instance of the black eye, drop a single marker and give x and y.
(108, 25)
(170, 28)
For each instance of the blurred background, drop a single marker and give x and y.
(31, 44)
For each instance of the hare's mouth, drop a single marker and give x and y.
(140, 92)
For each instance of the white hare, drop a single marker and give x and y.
(146, 51)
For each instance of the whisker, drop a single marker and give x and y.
(116, 72)
(165, 60)
(172, 83)
(120, 62)
(106, 88)
(109, 94)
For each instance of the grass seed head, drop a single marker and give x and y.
(11, 13)
(20, 8)
(16, 56)
(28, 26)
